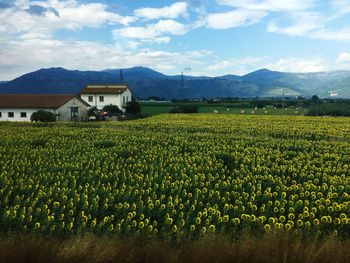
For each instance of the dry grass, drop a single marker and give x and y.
(209, 249)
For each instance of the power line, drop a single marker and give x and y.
(182, 90)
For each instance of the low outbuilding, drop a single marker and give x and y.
(20, 107)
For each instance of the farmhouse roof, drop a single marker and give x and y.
(104, 89)
(36, 100)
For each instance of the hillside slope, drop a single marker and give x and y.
(146, 82)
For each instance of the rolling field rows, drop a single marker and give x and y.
(177, 176)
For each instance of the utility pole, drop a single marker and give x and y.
(182, 84)
(283, 98)
(315, 101)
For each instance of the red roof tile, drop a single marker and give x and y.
(35, 100)
(104, 89)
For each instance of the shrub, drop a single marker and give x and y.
(92, 111)
(133, 107)
(330, 109)
(112, 110)
(43, 116)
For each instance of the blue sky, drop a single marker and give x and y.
(212, 37)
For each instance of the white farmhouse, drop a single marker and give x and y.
(19, 107)
(102, 95)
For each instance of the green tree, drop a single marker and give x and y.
(315, 99)
(43, 116)
(112, 110)
(133, 107)
(92, 111)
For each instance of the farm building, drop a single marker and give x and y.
(19, 107)
(102, 95)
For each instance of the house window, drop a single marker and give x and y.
(11, 114)
(123, 100)
(91, 98)
(102, 99)
(0, 115)
(23, 115)
(127, 99)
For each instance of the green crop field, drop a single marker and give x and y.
(176, 177)
(155, 108)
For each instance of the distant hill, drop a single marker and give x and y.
(146, 82)
(55, 80)
(137, 73)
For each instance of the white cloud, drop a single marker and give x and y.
(22, 56)
(299, 65)
(248, 12)
(199, 6)
(270, 5)
(220, 65)
(303, 23)
(144, 34)
(244, 65)
(343, 61)
(133, 44)
(92, 15)
(293, 30)
(341, 7)
(316, 25)
(338, 34)
(235, 18)
(344, 58)
(305, 20)
(173, 11)
(21, 4)
(154, 32)
(56, 15)
(236, 63)
(170, 26)
(312, 26)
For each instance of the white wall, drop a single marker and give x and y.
(17, 114)
(64, 112)
(127, 95)
(115, 99)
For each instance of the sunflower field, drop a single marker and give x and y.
(177, 176)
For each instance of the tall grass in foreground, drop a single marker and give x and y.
(250, 249)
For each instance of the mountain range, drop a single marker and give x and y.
(145, 82)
